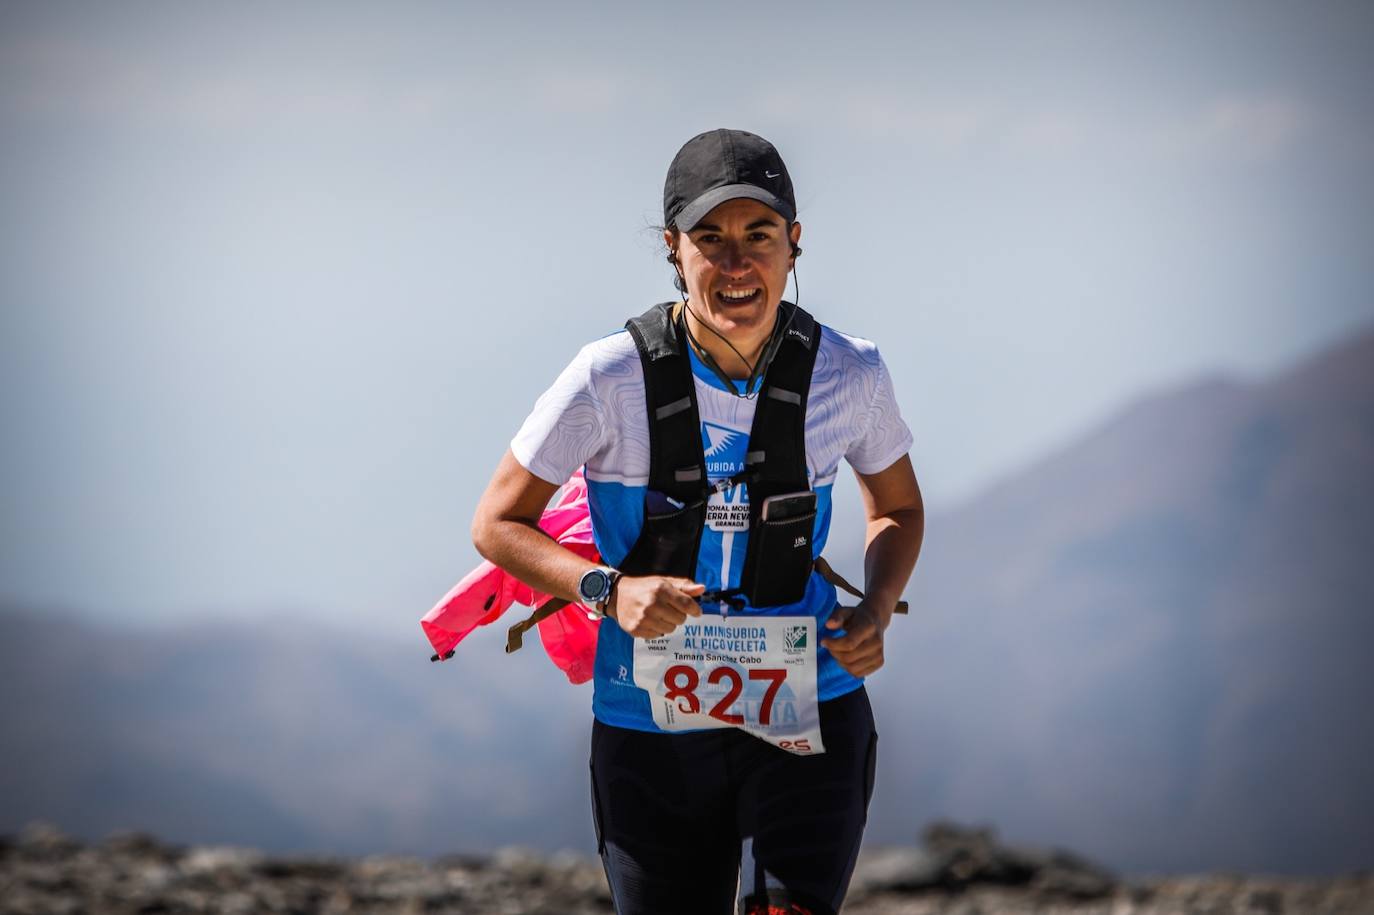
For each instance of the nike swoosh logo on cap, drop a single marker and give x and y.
(768, 174)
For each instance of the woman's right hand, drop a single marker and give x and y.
(653, 605)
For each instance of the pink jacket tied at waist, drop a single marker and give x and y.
(487, 592)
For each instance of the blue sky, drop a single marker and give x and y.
(278, 284)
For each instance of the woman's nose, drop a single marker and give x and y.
(733, 261)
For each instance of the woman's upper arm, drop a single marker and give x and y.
(514, 494)
(563, 431)
(891, 490)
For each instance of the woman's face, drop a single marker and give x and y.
(735, 262)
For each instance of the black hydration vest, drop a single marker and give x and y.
(778, 561)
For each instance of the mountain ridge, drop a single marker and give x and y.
(1163, 595)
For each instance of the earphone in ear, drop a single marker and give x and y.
(679, 281)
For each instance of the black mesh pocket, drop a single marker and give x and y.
(667, 544)
(779, 561)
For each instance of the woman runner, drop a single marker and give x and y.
(733, 746)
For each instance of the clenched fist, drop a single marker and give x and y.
(653, 605)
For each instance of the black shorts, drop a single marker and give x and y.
(682, 820)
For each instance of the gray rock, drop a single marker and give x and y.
(897, 870)
(45, 842)
(139, 845)
(221, 859)
(973, 855)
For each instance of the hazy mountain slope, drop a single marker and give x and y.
(1152, 646)
(288, 739)
(1154, 643)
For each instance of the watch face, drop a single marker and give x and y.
(594, 585)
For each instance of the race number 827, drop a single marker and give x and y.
(681, 681)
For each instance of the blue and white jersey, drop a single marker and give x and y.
(595, 415)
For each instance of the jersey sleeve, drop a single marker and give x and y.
(566, 427)
(885, 436)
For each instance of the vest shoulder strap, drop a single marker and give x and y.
(677, 463)
(777, 440)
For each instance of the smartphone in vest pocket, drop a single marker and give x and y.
(788, 505)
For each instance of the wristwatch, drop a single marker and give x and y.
(595, 587)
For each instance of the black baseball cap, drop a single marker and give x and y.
(721, 165)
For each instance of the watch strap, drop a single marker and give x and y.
(605, 602)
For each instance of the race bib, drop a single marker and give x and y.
(749, 672)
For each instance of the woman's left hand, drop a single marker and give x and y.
(860, 649)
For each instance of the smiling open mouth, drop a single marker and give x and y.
(739, 296)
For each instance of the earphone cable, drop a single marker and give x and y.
(770, 347)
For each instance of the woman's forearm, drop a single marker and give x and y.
(893, 542)
(532, 556)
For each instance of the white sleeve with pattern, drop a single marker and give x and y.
(885, 437)
(566, 426)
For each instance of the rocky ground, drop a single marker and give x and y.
(957, 870)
